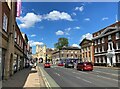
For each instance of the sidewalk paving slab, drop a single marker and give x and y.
(26, 78)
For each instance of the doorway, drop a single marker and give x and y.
(111, 61)
(11, 65)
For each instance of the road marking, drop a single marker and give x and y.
(57, 74)
(106, 78)
(83, 79)
(97, 76)
(106, 73)
(45, 80)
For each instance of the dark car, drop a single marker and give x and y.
(85, 66)
(47, 65)
(69, 64)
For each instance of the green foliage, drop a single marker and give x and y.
(61, 42)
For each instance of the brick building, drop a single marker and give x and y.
(107, 45)
(87, 50)
(12, 42)
(18, 48)
(7, 30)
(66, 53)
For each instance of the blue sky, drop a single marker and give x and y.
(45, 22)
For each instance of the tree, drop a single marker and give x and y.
(61, 42)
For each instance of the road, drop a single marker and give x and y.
(66, 77)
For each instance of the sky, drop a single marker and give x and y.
(46, 22)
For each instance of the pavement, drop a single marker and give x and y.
(26, 78)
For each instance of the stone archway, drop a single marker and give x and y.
(41, 60)
(11, 65)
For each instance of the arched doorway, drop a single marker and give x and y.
(40, 60)
(11, 65)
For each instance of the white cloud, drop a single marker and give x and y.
(29, 20)
(67, 30)
(74, 13)
(87, 36)
(34, 43)
(81, 8)
(105, 18)
(33, 35)
(75, 45)
(77, 27)
(56, 15)
(59, 32)
(87, 19)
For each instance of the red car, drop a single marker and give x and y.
(47, 65)
(60, 64)
(85, 66)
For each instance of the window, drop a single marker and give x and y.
(15, 37)
(95, 42)
(99, 59)
(99, 49)
(67, 55)
(86, 54)
(119, 45)
(22, 45)
(109, 37)
(103, 59)
(88, 48)
(95, 60)
(117, 36)
(103, 40)
(95, 50)
(110, 46)
(103, 49)
(18, 40)
(62, 55)
(118, 58)
(5, 22)
(89, 54)
(98, 41)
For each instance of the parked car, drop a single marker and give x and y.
(15, 68)
(47, 65)
(85, 66)
(69, 64)
(60, 64)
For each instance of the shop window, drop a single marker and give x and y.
(5, 22)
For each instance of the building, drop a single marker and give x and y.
(49, 52)
(40, 52)
(7, 32)
(66, 53)
(18, 49)
(87, 50)
(26, 49)
(107, 45)
(13, 44)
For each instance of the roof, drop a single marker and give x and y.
(71, 48)
(113, 25)
(85, 39)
